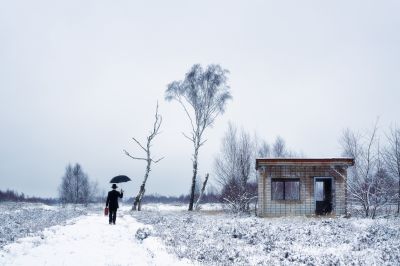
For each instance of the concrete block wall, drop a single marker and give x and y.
(306, 205)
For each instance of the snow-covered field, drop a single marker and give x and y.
(20, 219)
(165, 234)
(216, 238)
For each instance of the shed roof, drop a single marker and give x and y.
(305, 161)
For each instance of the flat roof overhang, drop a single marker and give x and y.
(304, 162)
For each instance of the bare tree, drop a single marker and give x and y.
(264, 150)
(203, 94)
(381, 186)
(76, 187)
(234, 167)
(66, 187)
(392, 158)
(149, 160)
(368, 182)
(279, 148)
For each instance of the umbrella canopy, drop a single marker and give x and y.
(120, 179)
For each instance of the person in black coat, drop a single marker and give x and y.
(112, 203)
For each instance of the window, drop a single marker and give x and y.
(285, 189)
(278, 189)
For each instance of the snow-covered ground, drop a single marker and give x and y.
(20, 219)
(165, 234)
(217, 238)
(180, 207)
(90, 240)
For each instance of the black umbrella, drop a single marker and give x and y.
(120, 179)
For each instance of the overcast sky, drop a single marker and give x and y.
(78, 79)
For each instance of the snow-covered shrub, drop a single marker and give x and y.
(142, 233)
(224, 239)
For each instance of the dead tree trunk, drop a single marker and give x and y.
(138, 200)
(137, 203)
(197, 206)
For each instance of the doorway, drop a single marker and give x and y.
(323, 195)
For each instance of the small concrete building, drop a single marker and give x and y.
(288, 186)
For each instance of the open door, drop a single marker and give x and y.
(323, 196)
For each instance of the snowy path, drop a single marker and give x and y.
(90, 240)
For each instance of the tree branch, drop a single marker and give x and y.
(156, 161)
(135, 158)
(187, 113)
(138, 143)
(189, 138)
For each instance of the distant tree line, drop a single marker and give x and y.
(75, 188)
(11, 195)
(208, 197)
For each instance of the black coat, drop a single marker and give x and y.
(112, 199)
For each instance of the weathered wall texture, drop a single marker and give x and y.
(306, 204)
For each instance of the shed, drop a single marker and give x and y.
(302, 186)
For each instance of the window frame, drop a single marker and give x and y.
(284, 180)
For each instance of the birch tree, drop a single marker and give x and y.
(137, 203)
(203, 95)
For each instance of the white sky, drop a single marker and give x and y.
(78, 79)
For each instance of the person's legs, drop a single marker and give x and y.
(115, 216)
(110, 216)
